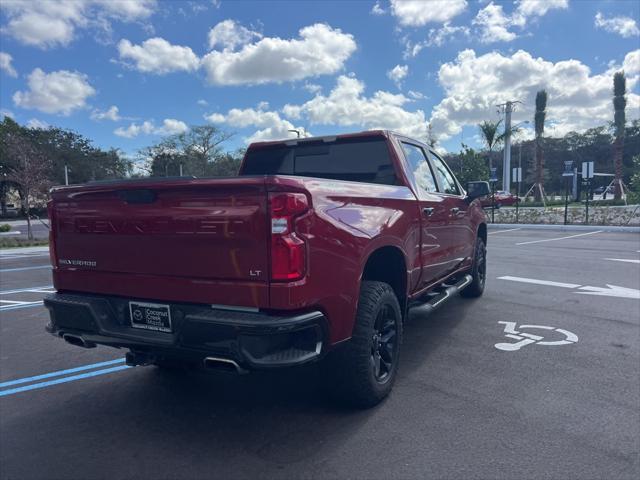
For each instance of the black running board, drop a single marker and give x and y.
(438, 297)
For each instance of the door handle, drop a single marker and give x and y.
(427, 211)
(455, 210)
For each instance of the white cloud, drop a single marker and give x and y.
(578, 100)
(623, 26)
(37, 124)
(417, 95)
(320, 50)
(269, 124)
(631, 63)
(6, 113)
(230, 35)
(417, 13)
(110, 114)
(170, 126)
(539, 8)
(47, 24)
(56, 92)
(5, 64)
(437, 37)
(494, 24)
(156, 55)
(312, 87)
(397, 74)
(377, 9)
(202, 102)
(133, 130)
(346, 105)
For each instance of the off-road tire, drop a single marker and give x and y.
(478, 271)
(352, 367)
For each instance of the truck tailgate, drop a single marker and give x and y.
(199, 231)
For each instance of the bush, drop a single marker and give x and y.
(13, 242)
(5, 227)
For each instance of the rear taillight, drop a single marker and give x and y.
(288, 250)
(52, 235)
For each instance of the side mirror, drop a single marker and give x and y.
(477, 190)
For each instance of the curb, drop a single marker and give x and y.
(9, 251)
(564, 228)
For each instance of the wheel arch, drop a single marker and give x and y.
(388, 264)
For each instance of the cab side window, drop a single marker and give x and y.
(419, 167)
(445, 177)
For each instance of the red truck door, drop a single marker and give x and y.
(435, 215)
(459, 235)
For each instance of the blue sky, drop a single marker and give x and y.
(125, 73)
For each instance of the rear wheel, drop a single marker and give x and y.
(478, 271)
(364, 370)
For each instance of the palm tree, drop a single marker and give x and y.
(490, 136)
(619, 120)
(540, 115)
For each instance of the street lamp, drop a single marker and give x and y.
(297, 132)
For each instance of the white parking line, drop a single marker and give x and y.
(539, 282)
(628, 260)
(5, 308)
(559, 238)
(42, 288)
(18, 304)
(503, 231)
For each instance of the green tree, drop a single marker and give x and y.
(490, 136)
(539, 118)
(8, 127)
(30, 171)
(197, 150)
(619, 122)
(472, 166)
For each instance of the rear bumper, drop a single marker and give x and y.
(253, 340)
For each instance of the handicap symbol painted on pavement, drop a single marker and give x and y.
(524, 339)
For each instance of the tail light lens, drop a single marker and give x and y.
(288, 251)
(52, 236)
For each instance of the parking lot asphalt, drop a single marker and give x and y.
(539, 378)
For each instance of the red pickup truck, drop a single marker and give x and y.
(320, 247)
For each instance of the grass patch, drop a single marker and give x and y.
(8, 242)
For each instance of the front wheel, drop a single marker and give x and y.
(478, 271)
(363, 371)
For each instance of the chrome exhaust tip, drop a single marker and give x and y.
(77, 340)
(223, 365)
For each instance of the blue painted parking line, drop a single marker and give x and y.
(38, 267)
(58, 381)
(60, 373)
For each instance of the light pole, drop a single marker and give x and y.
(297, 132)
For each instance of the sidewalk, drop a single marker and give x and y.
(12, 251)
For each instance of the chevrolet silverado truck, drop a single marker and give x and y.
(319, 249)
